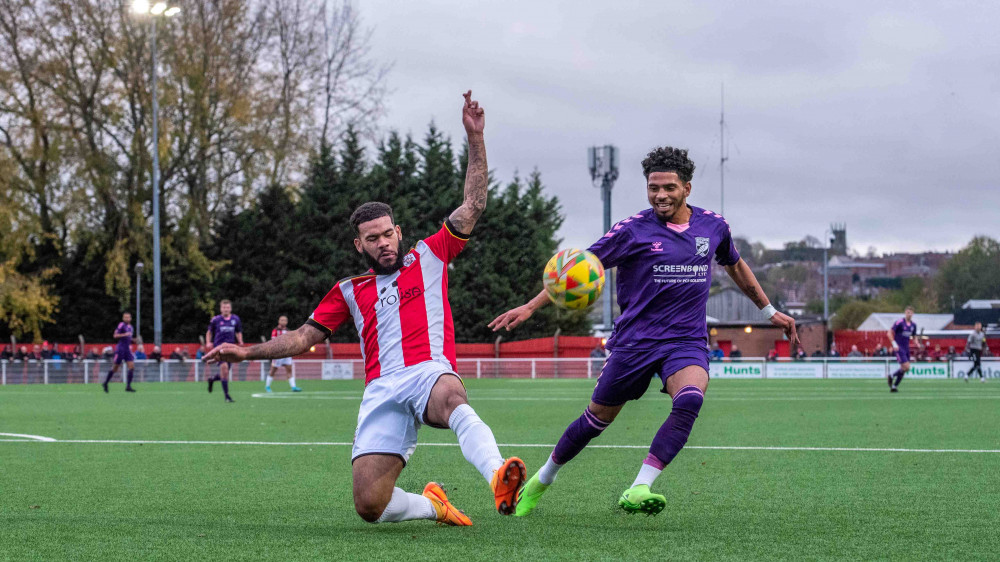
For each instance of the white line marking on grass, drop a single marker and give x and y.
(510, 445)
(26, 437)
(709, 398)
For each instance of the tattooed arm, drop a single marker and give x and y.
(286, 345)
(747, 282)
(477, 175)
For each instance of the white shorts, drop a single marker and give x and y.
(284, 361)
(392, 410)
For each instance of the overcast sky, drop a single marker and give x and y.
(882, 115)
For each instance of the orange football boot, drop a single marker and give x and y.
(507, 480)
(447, 514)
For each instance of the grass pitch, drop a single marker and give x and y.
(284, 493)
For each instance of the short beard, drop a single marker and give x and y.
(380, 269)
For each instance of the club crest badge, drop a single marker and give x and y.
(701, 246)
(408, 260)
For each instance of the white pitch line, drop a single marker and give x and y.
(583, 398)
(26, 437)
(506, 445)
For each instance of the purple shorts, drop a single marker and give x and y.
(627, 373)
(123, 356)
(903, 355)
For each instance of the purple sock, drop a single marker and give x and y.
(225, 388)
(107, 379)
(899, 377)
(576, 437)
(674, 432)
(128, 381)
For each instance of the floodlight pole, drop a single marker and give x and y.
(603, 161)
(138, 302)
(157, 289)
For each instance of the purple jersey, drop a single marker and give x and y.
(224, 330)
(664, 275)
(125, 341)
(902, 331)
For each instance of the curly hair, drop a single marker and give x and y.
(370, 211)
(669, 159)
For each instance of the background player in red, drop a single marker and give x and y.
(285, 362)
(400, 308)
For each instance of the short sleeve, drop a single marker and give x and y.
(612, 248)
(447, 242)
(896, 326)
(274, 333)
(726, 253)
(331, 312)
(211, 326)
(239, 325)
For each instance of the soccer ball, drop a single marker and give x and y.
(573, 279)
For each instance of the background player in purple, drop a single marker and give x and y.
(224, 328)
(900, 334)
(663, 255)
(123, 353)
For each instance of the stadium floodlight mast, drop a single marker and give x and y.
(156, 11)
(603, 163)
(138, 301)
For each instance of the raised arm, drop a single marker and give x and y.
(285, 345)
(747, 282)
(516, 316)
(477, 176)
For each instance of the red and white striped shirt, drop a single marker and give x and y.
(403, 318)
(278, 332)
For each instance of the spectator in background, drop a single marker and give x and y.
(22, 354)
(800, 354)
(54, 354)
(937, 354)
(201, 352)
(855, 354)
(6, 354)
(156, 355)
(69, 353)
(140, 353)
(819, 352)
(46, 351)
(833, 350)
(176, 355)
(986, 351)
(108, 353)
(772, 355)
(597, 355)
(735, 352)
(36, 352)
(717, 352)
(952, 354)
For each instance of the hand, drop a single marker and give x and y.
(472, 115)
(895, 346)
(787, 323)
(226, 353)
(512, 318)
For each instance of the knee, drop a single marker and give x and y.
(689, 398)
(606, 414)
(369, 508)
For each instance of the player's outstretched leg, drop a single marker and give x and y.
(448, 406)
(378, 500)
(669, 440)
(573, 440)
(269, 379)
(107, 379)
(291, 379)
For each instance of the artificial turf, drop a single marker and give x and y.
(287, 496)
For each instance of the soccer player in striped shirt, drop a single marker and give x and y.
(285, 362)
(400, 309)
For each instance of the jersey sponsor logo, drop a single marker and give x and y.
(387, 298)
(669, 273)
(701, 246)
(657, 247)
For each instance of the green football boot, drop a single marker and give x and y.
(528, 496)
(638, 499)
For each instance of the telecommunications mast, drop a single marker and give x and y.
(603, 163)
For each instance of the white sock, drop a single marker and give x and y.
(269, 380)
(291, 381)
(476, 440)
(647, 474)
(405, 506)
(547, 474)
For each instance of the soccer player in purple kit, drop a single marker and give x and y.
(663, 255)
(224, 328)
(123, 353)
(900, 334)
